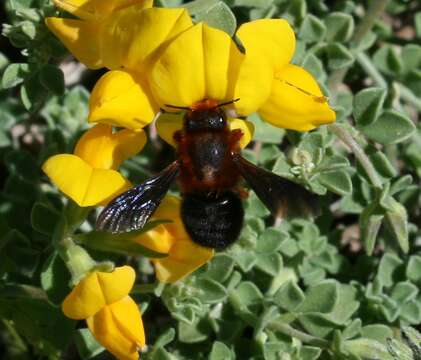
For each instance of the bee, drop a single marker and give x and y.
(209, 167)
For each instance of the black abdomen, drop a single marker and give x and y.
(213, 220)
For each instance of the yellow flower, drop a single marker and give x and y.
(184, 255)
(290, 98)
(204, 63)
(111, 314)
(125, 36)
(89, 176)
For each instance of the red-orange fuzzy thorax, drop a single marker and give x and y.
(204, 105)
(206, 150)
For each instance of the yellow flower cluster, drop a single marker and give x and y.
(156, 57)
(112, 316)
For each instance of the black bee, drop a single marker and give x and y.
(209, 167)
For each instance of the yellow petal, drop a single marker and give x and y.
(119, 328)
(272, 39)
(269, 45)
(87, 9)
(184, 257)
(102, 149)
(162, 237)
(116, 284)
(85, 299)
(122, 100)
(80, 37)
(167, 124)
(246, 127)
(82, 183)
(97, 290)
(194, 66)
(296, 101)
(132, 36)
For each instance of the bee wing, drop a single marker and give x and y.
(282, 197)
(130, 210)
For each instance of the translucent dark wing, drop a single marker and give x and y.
(282, 197)
(130, 210)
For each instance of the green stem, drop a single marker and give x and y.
(374, 11)
(359, 153)
(407, 95)
(286, 329)
(76, 258)
(17, 339)
(371, 70)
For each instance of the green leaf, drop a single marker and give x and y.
(211, 292)
(14, 75)
(219, 16)
(220, 352)
(32, 94)
(309, 353)
(220, 268)
(289, 296)
(165, 338)
(370, 221)
(194, 333)
(399, 350)
(120, 243)
(383, 165)
(270, 240)
(387, 269)
(52, 78)
(248, 293)
(396, 219)
(253, 3)
(86, 344)
(339, 56)
(44, 218)
(352, 330)
(377, 332)
(338, 182)
(269, 263)
(411, 57)
(388, 61)
(367, 105)
(23, 164)
(413, 269)
(340, 27)
(55, 278)
(320, 298)
(404, 291)
(17, 254)
(367, 349)
(312, 29)
(263, 131)
(390, 128)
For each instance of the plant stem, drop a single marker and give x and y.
(17, 339)
(374, 11)
(286, 329)
(359, 153)
(407, 95)
(371, 70)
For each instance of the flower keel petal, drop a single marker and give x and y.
(120, 99)
(296, 101)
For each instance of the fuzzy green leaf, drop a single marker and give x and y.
(391, 127)
(367, 105)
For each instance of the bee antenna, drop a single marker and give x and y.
(177, 107)
(226, 103)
